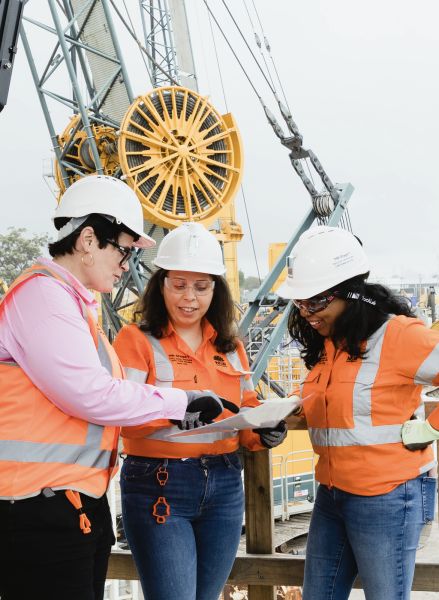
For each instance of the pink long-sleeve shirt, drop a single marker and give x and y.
(43, 330)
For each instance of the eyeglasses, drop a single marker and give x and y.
(178, 285)
(126, 252)
(315, 304)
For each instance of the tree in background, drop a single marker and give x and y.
(248, 283)
(19, 251)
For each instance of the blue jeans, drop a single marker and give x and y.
(373, 536)
(190, 556)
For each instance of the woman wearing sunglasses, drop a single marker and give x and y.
(182, 497)
(368, 358)
(63, 396)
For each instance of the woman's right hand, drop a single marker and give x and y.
(207, 404)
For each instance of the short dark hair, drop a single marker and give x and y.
(152, 316)
(355, 325)
(103, 228)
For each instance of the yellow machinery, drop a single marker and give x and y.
(181, 157)
(73, 141)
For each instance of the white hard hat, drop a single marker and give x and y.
(322, 258)
(190, 247)
(103, 195)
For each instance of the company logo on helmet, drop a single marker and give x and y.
(342, 259)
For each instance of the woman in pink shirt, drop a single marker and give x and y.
(63, 397)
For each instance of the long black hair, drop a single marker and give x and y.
(369, 305)
(151, 314)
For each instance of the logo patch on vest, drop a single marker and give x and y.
(219, 361)
(180, 359)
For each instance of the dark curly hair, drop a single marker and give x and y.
(151, 314)
(355, 325)
(103, 228)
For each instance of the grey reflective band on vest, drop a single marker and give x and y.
(68, 454)
(429, 369)
(364, 433)
(88, 454)
(201, 438)
(163, 367)
(104, 357)
(246, 385)
(136, 374)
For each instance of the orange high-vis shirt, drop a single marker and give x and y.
(170, 362)
(356, 408)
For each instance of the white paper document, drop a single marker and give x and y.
(267, 414)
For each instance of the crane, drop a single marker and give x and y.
(170, 145)
(11, 12)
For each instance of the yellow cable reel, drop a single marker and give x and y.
(181, 157)
(73, 141)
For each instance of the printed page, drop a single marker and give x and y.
(268, 414)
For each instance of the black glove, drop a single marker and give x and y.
(206, 405)
(272, 437)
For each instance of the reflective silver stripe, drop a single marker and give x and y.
(9, 363)
(427, 467)
(235, 361)
(69, 454)
(163, 367)
(429, 369)
(420, 412)
(364, 433)
(246, 385)
(202, 438)
(104, 357)
(136, 374)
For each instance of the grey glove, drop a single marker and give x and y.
(272, 437)
(206, 405)
(190, 421)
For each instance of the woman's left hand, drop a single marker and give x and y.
(272, 437)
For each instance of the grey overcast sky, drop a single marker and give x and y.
(361, 79)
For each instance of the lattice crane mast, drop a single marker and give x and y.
(170, 145)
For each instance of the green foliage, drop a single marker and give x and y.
(18, 251)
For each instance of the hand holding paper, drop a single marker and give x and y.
(266, 415)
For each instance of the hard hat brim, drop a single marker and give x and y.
(144, 241)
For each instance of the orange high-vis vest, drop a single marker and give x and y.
(355, 409)
(40, 445)
(166, 362)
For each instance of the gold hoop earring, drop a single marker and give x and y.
(87, 259)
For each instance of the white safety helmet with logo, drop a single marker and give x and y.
(322, 258)
(190, 247)
(105, 195)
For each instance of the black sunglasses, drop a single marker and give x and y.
(126, 251)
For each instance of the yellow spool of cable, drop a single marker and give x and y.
(182, 158)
